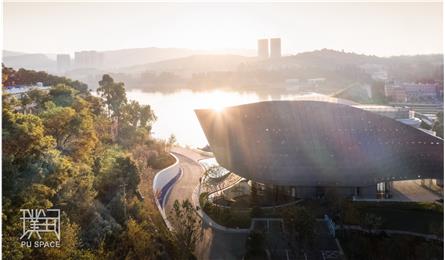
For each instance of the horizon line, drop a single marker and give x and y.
(220, 50)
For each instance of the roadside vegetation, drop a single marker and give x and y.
(85, 155)
(438, 125)
(186, 228)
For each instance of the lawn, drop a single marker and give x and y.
(231, 218)
(162, 162)
(357, 245)
(317, 207)
(416, 217)
(409, 216)
(228, 217)
(426, 218)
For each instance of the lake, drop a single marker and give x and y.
(175, 111)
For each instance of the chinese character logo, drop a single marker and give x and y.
(39, 221)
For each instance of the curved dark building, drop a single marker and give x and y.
(313, 143)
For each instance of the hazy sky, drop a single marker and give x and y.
(371, 28)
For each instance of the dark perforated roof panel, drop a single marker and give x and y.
(315, 143)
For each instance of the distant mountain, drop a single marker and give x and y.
(30, 61)
(132, 57)
(12, 53)
(192, 64)
(114, 59)
(333, 58)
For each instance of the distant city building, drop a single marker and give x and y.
(19, 90)
(88, 59)
(396, 94)
(412, 92)
(63, 62)
(420, 90)
(402, 114)
(275, 47)
(263, 48)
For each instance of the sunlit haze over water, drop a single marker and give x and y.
(175, 111)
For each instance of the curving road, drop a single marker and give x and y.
(183, 188)
(215, 244)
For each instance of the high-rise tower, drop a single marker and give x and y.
(275, 47)
(263, 48)
(63, 62)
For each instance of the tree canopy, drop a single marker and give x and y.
(61, 153)
(11, 77)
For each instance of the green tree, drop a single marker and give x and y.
(301, 224)
(75, 192)
(70, 245)
(131, 113)
(95, 105)
(186, 227)
(135, 124)
(122, 174)
(113, 93)
(25, 101)
(130, 136)
(38, 97)
(438, 125)
(7, 76)
(24, 135)
(63, 156)
(11, 77)
(10, 102)
(147, 117)
(62, 95)
(378, 92)
(255, 243)
(74, 132)
(141, 241)
(172, 140)
(61, 123)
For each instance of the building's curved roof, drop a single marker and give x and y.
(311, 143)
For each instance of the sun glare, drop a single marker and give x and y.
(216, 100)
(218, 108)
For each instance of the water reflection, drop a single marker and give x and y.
(175, 110)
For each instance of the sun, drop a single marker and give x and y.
(217, 107)
(216, 100)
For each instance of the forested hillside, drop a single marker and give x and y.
(85, 155)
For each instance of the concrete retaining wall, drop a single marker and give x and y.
(162, 184)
